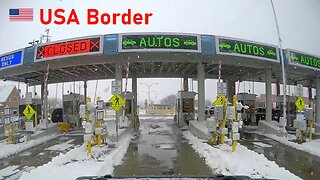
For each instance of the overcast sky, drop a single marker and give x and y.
(248, 19)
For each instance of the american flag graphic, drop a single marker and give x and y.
(21, 14)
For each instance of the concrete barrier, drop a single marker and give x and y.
(272, 127)
(198, 129)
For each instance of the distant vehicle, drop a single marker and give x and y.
(129, 42)
(225, 46)
(276, 114)
(189, 43)
(56, 115)
(271, 53)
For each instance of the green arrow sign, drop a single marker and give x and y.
(157, 41)
(246, 48)
(304, 60)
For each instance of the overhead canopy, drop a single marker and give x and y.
(158, 55)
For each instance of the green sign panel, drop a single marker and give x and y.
(159, 42)
(304, 60)
(245, 48)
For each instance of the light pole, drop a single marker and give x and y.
(155, 93)
(149, 87)
(282, 66)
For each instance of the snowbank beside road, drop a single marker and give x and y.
(11, 149)
(77, 163)
(242, 162)
(312, 147)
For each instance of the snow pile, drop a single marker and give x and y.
(242, 162)
(8, 171)
(77, 163)
(202, 125)
(312, 147)
(61, 147)
(11, 149)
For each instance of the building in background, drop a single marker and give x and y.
(9, 97)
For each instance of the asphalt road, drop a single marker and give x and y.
(39, 155)
(159, 149)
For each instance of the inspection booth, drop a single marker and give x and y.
(71, 105)
(185, 110)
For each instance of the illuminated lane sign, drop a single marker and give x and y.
(10, 60)
(303, 60)
(69, 48)
(229, 46)
(159, 42)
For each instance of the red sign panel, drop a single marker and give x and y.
(81, 46)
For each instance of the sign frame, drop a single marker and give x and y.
(35, 60)
(217, 38)
(28, 97)
(12, 52)
(288, 57)
(221, 86)
(120, 49)
(114, 86)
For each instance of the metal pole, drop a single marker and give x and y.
(282, 66)
(118, 77)
(149, 87)
(201, 91)
(317, 119)
(62, 89)
(149, 94)
(85, 92)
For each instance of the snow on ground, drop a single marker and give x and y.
(242, 162)
(260, 144)
(11, 149)
(312, 147)
(62, 146)
(8, 171)
(76, 163)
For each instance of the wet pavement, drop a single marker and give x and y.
(159, 149)
(39, 155)
(301, 164)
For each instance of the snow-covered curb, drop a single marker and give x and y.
(77, 163)
(312, 147)
(11, 149)
(242, 162)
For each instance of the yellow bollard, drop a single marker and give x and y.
(223, 125)
(310, 133)
(36, 119)
(89, 147)
(301, 137)
(8, 127)
(215, 138)
(234, 142)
